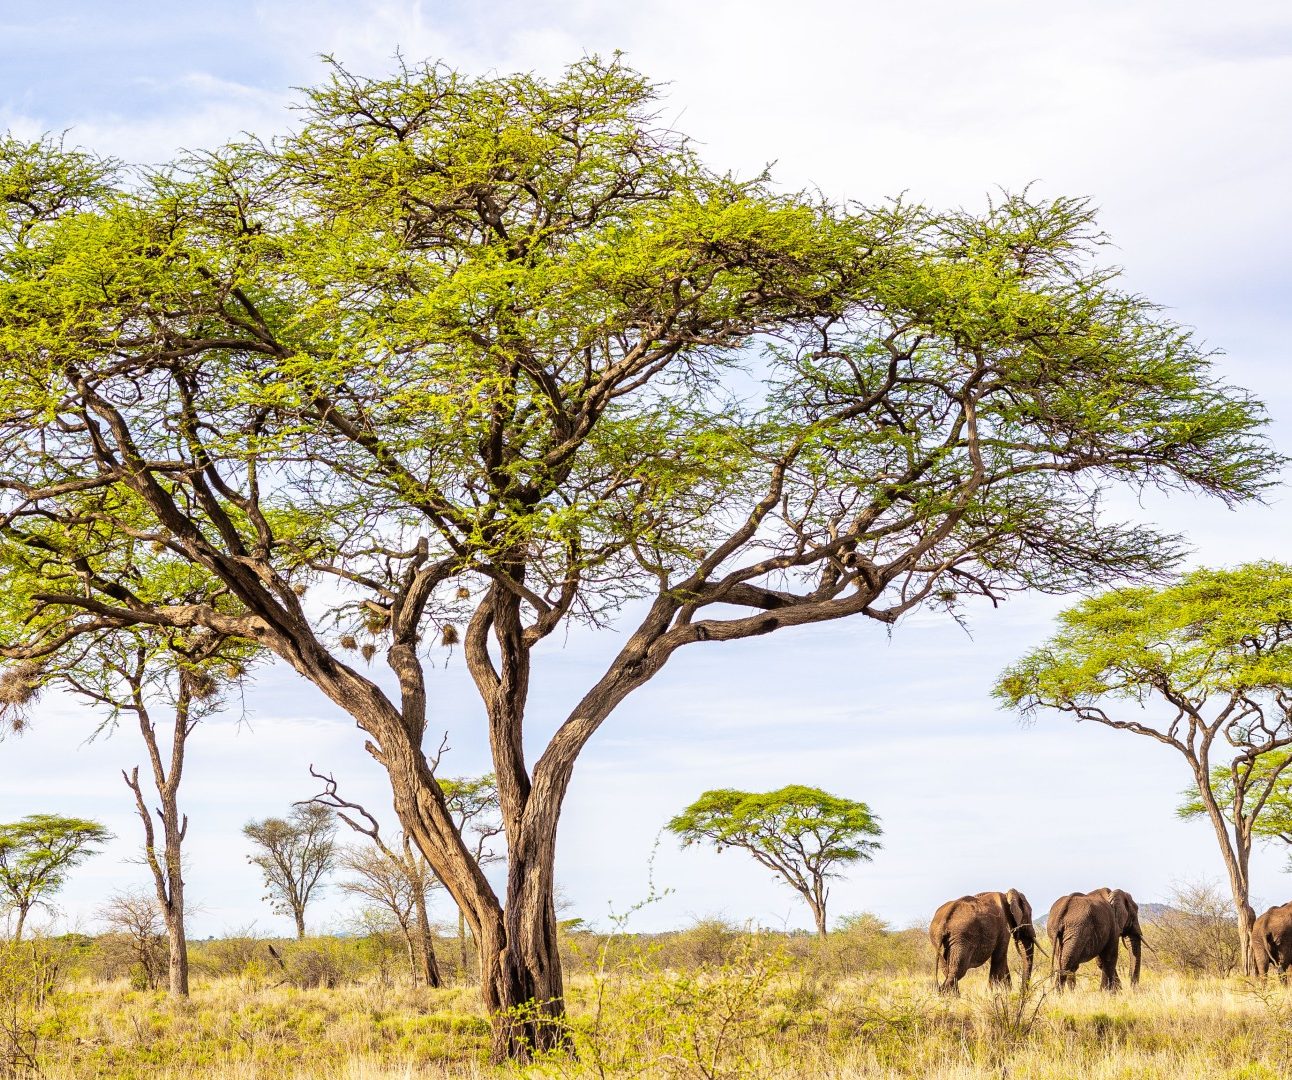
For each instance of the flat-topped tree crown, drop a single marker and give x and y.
(503, 352)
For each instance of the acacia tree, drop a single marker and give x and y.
(802, 834)
(36, 855)
(468, 348)
(294, 855)
(1213, 652)
(399, 880)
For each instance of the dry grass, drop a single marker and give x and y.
(755, 1011)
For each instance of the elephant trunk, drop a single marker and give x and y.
(1025, 941)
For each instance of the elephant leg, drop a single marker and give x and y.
(998, 973)
(1108, 979)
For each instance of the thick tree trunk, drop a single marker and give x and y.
(818, 912)
(178, 951)
(299, 915)
(22, 920)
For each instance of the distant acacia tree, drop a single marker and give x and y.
(136, 919)
(479, 351)
(802, 834)
(1203, 666)
(36, 855)
(294, 855)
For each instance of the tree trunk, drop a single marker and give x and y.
(299, 915)
(1236, 855)
(463, 958)
(168, 871)
(22, 919)
(429, 967)
(818, 912)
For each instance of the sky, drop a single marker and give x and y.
(1171, 117)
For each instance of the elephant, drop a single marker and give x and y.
(1272, 941)
(968, 932)
(1089, 926)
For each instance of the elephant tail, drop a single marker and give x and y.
(1056, 955)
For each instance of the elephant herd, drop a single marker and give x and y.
(976, 930)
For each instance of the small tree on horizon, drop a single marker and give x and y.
(36, 855)
(294, 854)
(802, 834)
(1213, 651)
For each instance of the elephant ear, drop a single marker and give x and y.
(1121, 903)
(1016, 909)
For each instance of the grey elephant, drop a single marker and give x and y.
(1272, 941)
(1090, 926)
(973, 930)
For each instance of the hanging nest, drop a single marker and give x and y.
(449, 635)
(464, 593)
(375, 622)
(233, 671)
(19, 684)
(369, 651)
(300, 590)
(349, 642)
(200, 685)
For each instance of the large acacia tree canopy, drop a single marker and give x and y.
(1223, 634)
(510, 334)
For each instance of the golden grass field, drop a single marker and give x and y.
(759, 1010)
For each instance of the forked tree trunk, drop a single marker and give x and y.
(22, 920)
(818, 913)
(167, 866)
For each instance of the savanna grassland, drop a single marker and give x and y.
(710, 1002)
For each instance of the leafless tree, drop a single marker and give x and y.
(137, 919)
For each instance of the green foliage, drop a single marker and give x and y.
(838, 830)
(1274, 822)
(36, 855)
(1213, 632)
(495, 313)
